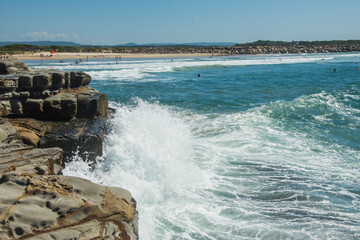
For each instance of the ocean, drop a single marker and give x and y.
(256, 147)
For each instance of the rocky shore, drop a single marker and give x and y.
(189, 51)
(46, 116)
(235, 50)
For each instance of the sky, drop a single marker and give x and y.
(111, 22)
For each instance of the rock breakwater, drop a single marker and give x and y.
(236, 50)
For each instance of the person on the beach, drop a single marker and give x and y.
(334, 70)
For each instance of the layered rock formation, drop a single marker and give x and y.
(47, 94)
(35, 201)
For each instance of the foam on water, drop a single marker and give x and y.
(231, 176)
(149, 152)
(129, 70)
(279, 168)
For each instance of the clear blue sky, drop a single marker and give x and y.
(178, 21)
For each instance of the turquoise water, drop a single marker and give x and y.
(257, 147)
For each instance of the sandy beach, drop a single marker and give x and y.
(73, 55)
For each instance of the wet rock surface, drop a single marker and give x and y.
(84, 136)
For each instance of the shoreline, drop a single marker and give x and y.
(73, 55)
(180, 52)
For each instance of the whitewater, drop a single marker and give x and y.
(257, 147)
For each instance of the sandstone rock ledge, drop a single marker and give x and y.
(35, 201)
(60, 207)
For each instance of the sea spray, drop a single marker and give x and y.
(225, 176)
(258, 147)
(149, 152)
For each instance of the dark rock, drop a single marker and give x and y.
(24, 95)
(10, 66)
(15, 95)
(58, 80)
(62, 106)
(79, 135)
(68, 105)
(34, 107)
(91, 141)
(25, 82)
(67, 80)
(68, 142)
(79, 79)
(41, 82)
(91, 103)
(16, 107)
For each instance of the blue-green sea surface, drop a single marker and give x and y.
(256, 147)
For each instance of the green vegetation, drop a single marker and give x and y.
(21, 48)
(297, 43)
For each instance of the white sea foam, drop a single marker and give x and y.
(244, 175)
(138, 69)
(218, 176)
(149, 152)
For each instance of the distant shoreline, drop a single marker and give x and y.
(27, 52)
(176, 52)
(74, 55)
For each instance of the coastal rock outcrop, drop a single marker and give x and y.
(47, 94)
(50, 108)
(46, 115)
